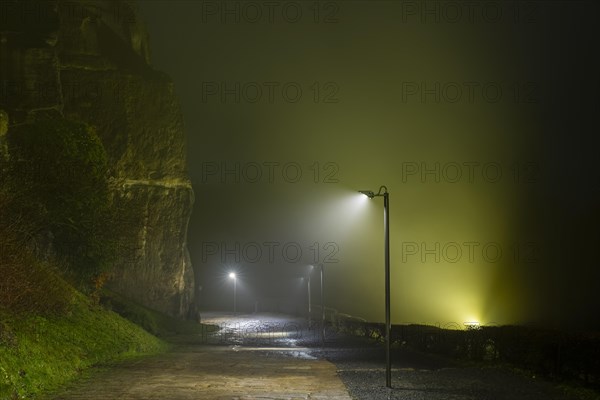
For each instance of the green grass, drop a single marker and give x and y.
(41, 354)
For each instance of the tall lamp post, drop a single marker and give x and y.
(232, 276)
(388, 324)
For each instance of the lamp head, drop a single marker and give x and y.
(369, 193)
(232, 275)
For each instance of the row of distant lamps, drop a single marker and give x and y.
(386, 215)
(382, 192)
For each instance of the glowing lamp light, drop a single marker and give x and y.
(472, 325)
(232, 275)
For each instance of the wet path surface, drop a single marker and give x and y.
(277, 357)
(211, 372)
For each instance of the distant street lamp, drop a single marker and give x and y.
(322, 309)
(310, 268)
(232, 276)
(388, 324)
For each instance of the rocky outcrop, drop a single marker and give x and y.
(89, 60)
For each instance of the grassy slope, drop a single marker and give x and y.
(40, 354)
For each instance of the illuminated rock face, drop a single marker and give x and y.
(89, 60)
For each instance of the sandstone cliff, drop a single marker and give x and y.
(89, 60)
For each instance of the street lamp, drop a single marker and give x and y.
(232, 276)
(386, 229)
(322, 308)
(310, 268)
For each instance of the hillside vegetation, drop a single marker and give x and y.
(58, 236)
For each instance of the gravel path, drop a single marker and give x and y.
(277, 357)
(213, 373)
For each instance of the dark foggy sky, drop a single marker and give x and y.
(479, 120)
